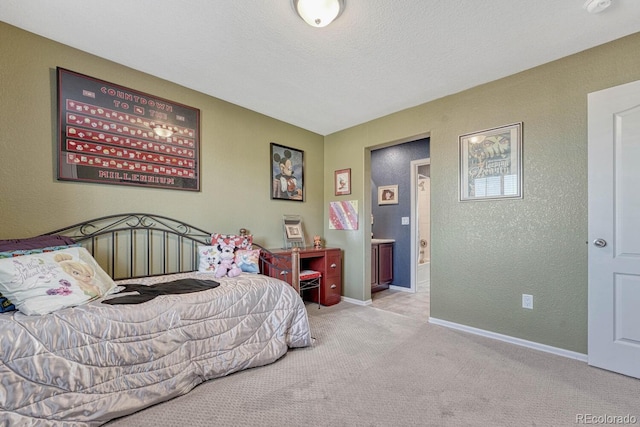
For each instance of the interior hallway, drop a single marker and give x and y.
(415, 305)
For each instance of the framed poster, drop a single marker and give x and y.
(110, 134)
(388, 195)
(342, 182)
(491, 164)
(287, 173)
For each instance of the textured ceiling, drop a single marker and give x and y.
(378, 57)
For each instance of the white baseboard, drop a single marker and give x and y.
(357, 301)
(511, 340)
(400, 288)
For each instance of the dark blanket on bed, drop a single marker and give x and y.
(147, 293)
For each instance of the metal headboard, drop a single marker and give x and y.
(135, 245)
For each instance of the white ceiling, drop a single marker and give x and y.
(378, 57)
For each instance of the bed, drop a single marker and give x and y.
(148, 339)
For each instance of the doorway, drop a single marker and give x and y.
(420, 225)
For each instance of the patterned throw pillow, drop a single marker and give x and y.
(5, 304)
(236, 242)
(49, 281)
(248, 260)
(208, 259)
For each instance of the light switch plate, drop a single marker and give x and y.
(405, 220)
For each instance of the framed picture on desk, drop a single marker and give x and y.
(293, 232)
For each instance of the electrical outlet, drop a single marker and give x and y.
(527, 301)
(405, 220)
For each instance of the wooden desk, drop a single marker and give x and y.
(327, 261)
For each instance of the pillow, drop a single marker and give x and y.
(45, 282)
(5, 304)
(237, 242)
(248, 260)
(208, 259)
(35, 242)
(20, 252)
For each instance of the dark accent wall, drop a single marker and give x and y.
(391, 166)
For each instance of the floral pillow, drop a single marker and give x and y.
(5, 304)
(234, 241)
(45, 282)
(248, 260)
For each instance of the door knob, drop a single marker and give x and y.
(600, 243)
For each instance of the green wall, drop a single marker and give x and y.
(485, 255)
(235, 158)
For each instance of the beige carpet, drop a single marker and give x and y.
(371, 367)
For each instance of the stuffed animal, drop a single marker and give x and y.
(227, 266)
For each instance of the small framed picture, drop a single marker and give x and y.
(294, 232)
(388, 195)
(491, 164)
(342, 182)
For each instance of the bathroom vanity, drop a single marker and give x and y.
(381, 264)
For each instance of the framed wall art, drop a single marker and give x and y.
(287, 173)
(388, 195)
(110, 134)
(343, 215)
(491, 164)
(342, 182)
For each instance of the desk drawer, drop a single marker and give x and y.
(331, 291)
(276, 268)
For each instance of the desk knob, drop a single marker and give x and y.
(333, 265)
(333, 286)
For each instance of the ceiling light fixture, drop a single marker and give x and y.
(596, 6)
(318, 13)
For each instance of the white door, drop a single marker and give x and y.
(614, 229)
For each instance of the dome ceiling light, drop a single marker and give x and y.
(318, 13)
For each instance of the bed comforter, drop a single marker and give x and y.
(87, 365)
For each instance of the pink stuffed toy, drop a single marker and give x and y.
(227, 264)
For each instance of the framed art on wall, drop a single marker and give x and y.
(342, 182)
(388, 195)
(491, 164)
(110, 134)
(287, 173)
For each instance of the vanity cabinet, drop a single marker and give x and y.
(381, 266)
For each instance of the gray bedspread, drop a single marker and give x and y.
(87, 365)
